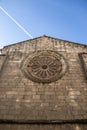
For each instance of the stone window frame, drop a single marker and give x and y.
(83, 63)
(56, 54)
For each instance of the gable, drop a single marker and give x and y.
(55, 90)
(46, 43)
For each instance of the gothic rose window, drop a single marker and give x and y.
(44, 66)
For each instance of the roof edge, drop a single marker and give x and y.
(47, 37)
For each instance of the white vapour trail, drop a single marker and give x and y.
(16, 22)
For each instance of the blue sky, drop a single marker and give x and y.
(63, 19)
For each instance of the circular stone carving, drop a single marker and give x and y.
(44, 66)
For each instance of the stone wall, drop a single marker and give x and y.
(25, 100)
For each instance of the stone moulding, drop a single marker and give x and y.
(83, 59)
(44, 66)
(79, 121)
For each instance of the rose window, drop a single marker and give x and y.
(44, 66)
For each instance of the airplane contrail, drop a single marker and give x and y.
(16, 22)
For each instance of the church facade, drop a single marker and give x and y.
(43, 85)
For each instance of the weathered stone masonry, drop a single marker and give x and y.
(41, 96)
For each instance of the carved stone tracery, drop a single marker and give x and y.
(44, 66)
